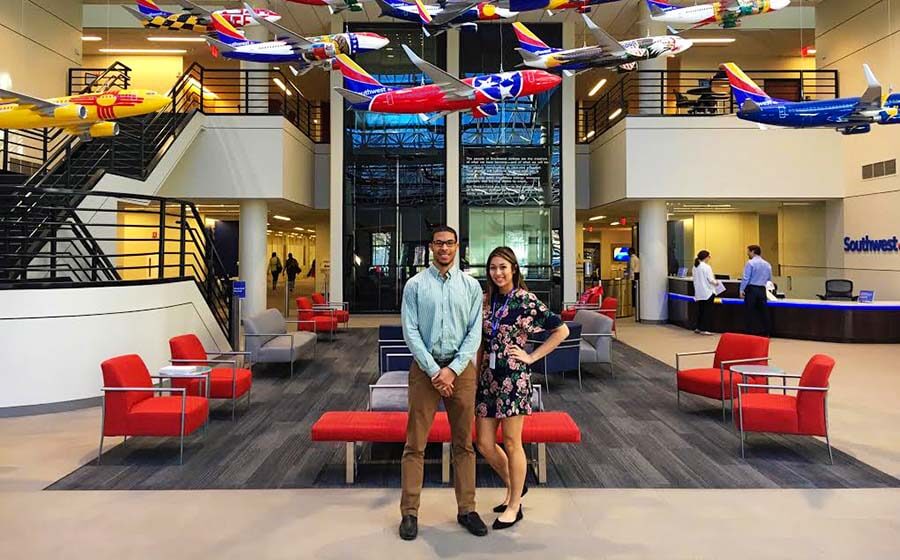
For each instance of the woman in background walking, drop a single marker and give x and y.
(704, 291)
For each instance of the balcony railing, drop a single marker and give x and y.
(688, 93)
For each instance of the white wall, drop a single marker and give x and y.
(608, 168)
(54, 340)
(848, 34)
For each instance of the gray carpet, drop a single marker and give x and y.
(633, 436)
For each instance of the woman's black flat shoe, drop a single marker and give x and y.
(502, 507)
(500, 525)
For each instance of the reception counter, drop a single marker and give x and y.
(832, 321)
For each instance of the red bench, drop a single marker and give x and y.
(352, 427)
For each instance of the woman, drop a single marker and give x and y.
(511, 313)
(704, 290)
(274, 269)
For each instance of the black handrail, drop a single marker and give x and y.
(685, 93)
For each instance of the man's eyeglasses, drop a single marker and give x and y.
(449, 244)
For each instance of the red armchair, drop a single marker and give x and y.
(224, 382)
(610, 308)
(311, 321)
(804, 414)
(590, 299)
(711, 382)
(130, 407)
(325, 308)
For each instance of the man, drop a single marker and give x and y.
(753, 289)
(441, 316)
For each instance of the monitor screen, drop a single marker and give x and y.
(620, 254)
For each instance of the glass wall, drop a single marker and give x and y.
(394, 178)
(510, 168)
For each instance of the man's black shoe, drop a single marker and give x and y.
(409, 527)
(473, 523)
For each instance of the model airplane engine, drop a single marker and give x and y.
(858, 129)
(104, 129)
(70, 112)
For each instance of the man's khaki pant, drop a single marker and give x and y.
(423, 403)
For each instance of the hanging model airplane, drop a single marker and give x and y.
(607, 53)
(307, 52)
(87, 115)
(447, 93)
(727, 13)
(848, 115)
(334, 6)
(551, 6)
(436, 19)
(195, 17)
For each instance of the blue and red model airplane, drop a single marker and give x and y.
(848, 115)
(447, 93)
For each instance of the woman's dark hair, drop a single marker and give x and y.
(509, 256)
(274, 253)
(630, 251)
(701, 256)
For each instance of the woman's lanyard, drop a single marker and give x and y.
(495, 325)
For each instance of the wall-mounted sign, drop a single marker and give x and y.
(866, 245)
(239, 289)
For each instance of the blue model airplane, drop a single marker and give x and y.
(848, 115)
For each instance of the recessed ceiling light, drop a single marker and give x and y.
(590, 134)
(282, 218)
(597, 87)
(177, 39)
(91, 38)
(614, 223)
(713, 41)
(595, 218)
(143, 51)
(615, 113)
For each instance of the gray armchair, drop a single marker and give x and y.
(268, 342)
(596, 338)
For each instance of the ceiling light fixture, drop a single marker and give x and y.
(596, 218)
(713, 41)
(282, 218)
(280, 84)
(614, 223)
(91, 38)
(177, 39)
(143, 51)
(589, 135)
(615, 113)
(597, 87)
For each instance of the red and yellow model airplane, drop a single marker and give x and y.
(87, 115)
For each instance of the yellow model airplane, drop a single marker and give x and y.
(87, 115)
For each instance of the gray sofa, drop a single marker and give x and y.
(596, 338)
(268, 341)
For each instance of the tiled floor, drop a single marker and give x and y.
(840, 524)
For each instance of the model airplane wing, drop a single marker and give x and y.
(42, 106)
(281, 33)
(450, 86)
(193, 9)
(604, 40)
(449, 14)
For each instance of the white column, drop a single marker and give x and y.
(567, 173)
(252, 255)
(255, 86)
(651, 88)
(654, 261)
(335, 258)
(452, 139)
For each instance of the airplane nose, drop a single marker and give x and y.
(546, 81)
(779, 4)
(157, 102)
(372, 41)
(682, 45)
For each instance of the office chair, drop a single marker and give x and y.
(838, 289)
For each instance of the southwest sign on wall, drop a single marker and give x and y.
(866, 245)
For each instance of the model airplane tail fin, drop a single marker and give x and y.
(226, 32)
(424, 16)
(388, 6)
(148, 8)
(872, 95)
(529, 42)
(743, 87)
(658, 7)
(356, 80)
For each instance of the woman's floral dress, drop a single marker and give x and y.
(505, 390)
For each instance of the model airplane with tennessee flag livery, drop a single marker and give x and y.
(446, 94)
(87, 115)
(726, 13)
(848, 115)
(436, 19)
(307, 52)
(607, 53)
(195, 17)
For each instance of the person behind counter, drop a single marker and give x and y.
(704, 291)
(757, 272)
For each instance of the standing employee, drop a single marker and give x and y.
(704, 291)
(753, 289)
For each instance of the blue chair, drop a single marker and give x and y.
(566, 357)
(393, 354)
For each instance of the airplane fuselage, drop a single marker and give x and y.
(715, 13)
(595, 57)
(109, 105)
(325, 47)
(555, 5)
(481, 12)
(831, 113)
(202, 24)
(488, 89)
